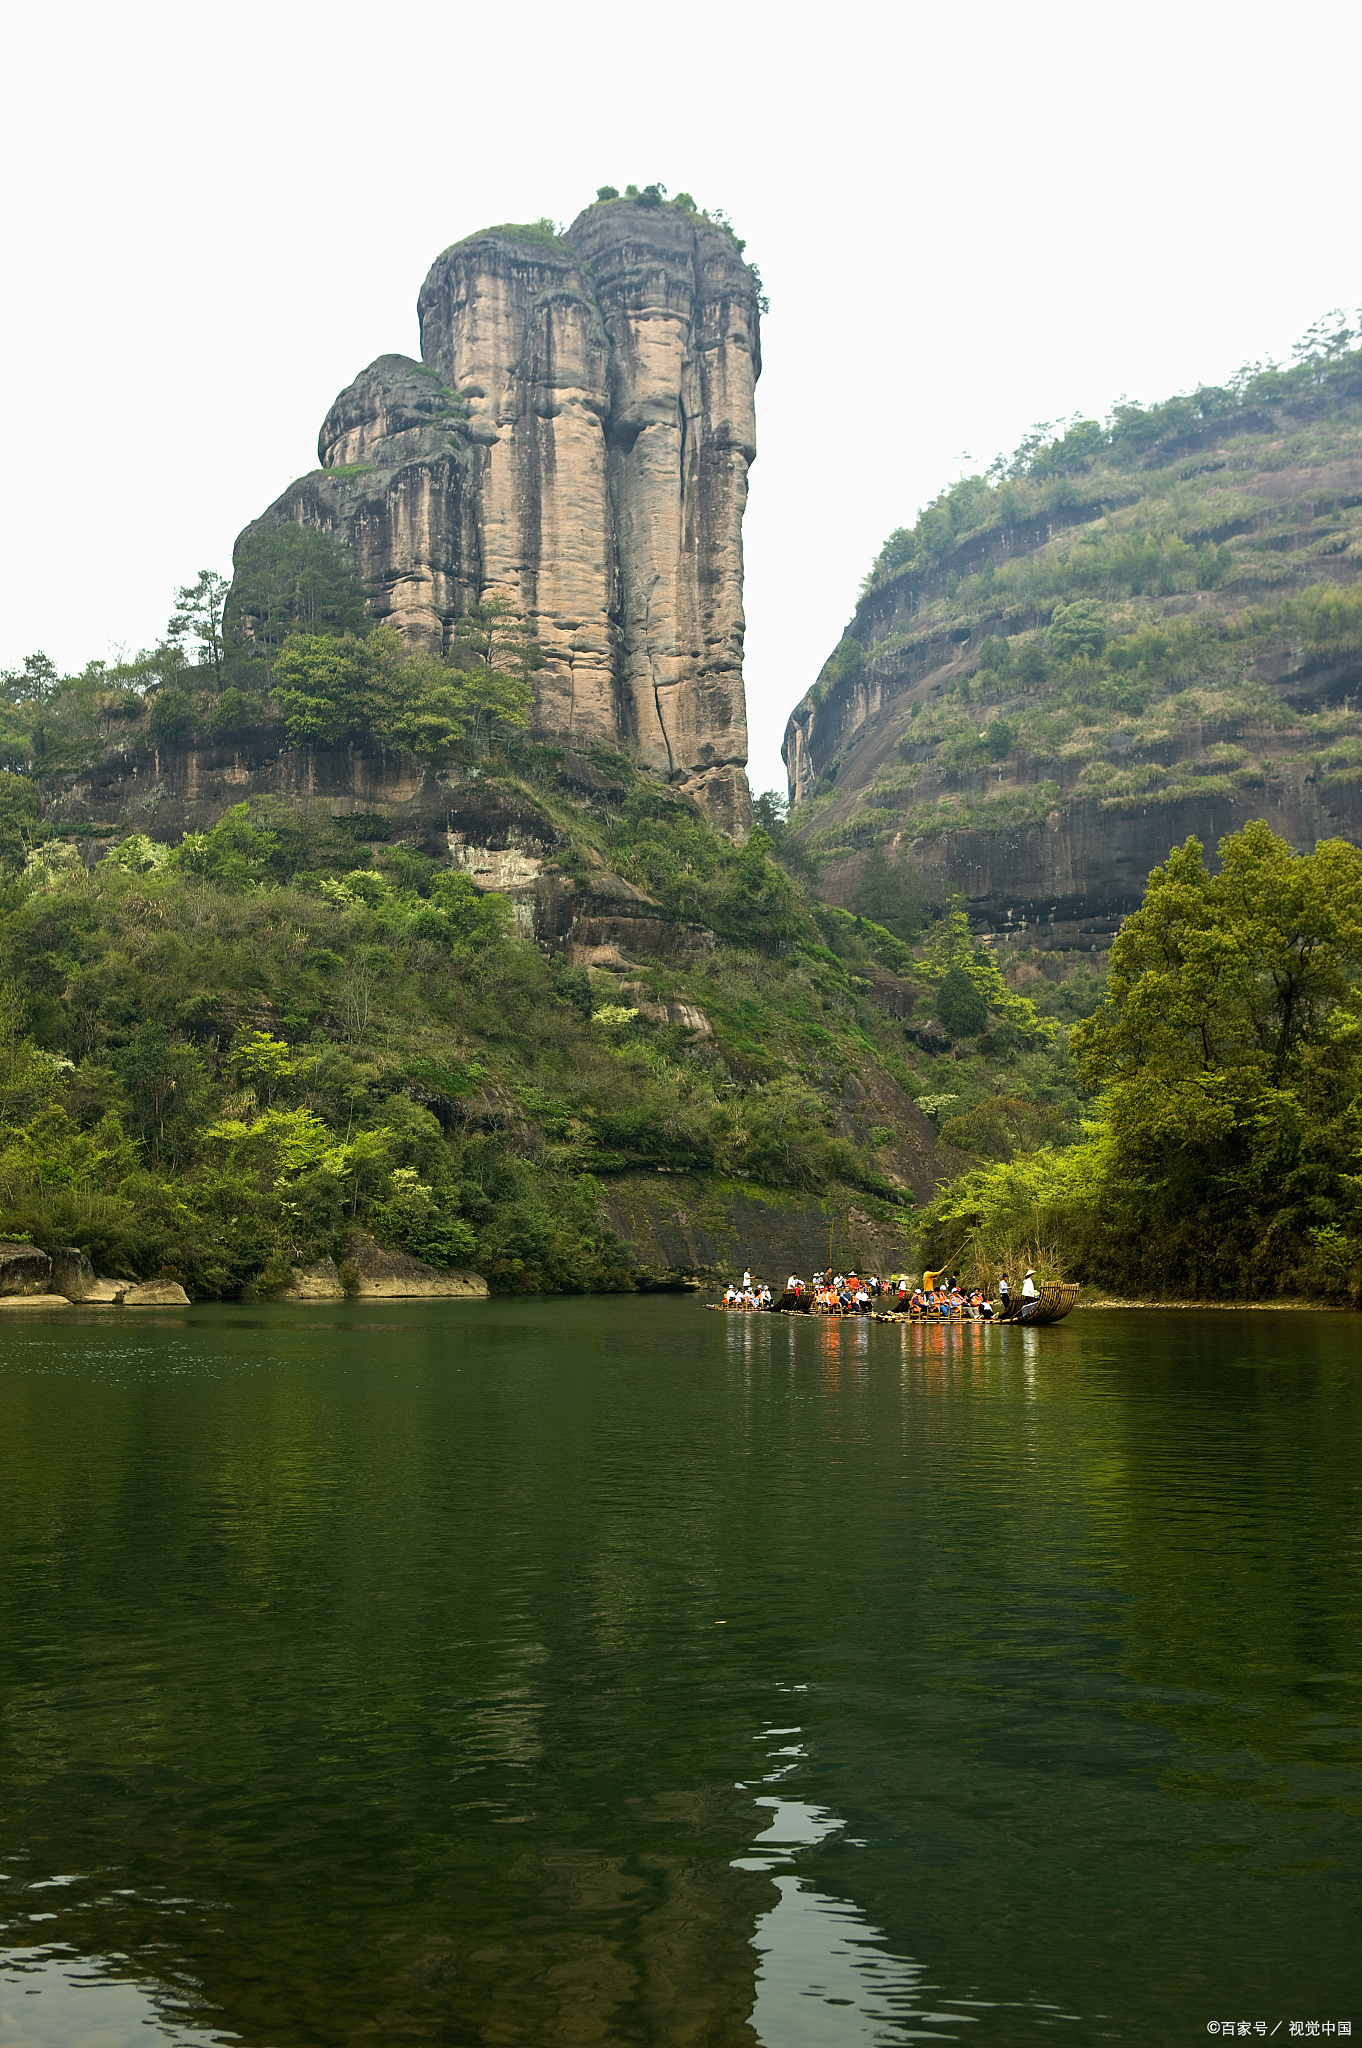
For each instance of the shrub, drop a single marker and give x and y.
(172, 716)
(1077, 629)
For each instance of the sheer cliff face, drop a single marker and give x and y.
(576, 439)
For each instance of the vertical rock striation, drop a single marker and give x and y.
(513, 327)
(681, 314)
(576, 438)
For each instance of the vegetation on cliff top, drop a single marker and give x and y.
(290, 652)
(1139, 447)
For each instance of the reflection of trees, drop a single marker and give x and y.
(1227, 1536)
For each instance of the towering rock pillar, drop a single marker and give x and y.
(575, 439)
(680, 309)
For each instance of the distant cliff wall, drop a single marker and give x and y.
(576, 438)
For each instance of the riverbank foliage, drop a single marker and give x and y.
(1224, 1153)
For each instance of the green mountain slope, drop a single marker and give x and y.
(1129, 632)
(223, 1051)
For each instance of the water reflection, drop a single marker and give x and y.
(824, 1977)
(389, 1680)
(53, 1998)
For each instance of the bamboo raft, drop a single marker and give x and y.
(1051, 1304)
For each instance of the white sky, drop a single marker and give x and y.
(968, 219)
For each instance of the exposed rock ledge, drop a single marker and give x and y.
(382, 1275)
(318, 1282)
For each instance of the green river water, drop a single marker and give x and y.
(607, 1671)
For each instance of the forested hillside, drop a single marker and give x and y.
(507, 1007)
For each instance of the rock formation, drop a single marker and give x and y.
(156, 1294)
(30, 1277)
(24, 1270)
(576, 439)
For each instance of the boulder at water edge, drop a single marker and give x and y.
(23, 1269)
(156, 1294)
(382, 1275)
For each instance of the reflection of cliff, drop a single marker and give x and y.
(576, 438)
(813, 1947)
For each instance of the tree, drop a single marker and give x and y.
(410, 1216)
(770, 811)
(760, 903)
(952, 945)
(172, 716)
(28, 1078)
(1077, 629)
(1005, 1127)
(891, 893)
(495, 654)
(18, 816)
(167, 1086)
(329, 689)
(1229, 1055)
(960, 1006)
(35, 683)
(1031, 662)
(264, 1063)
(290, 579)
(234, 711)
(771, 815)
(1251, 973)
(199, 618)
(235, 854)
